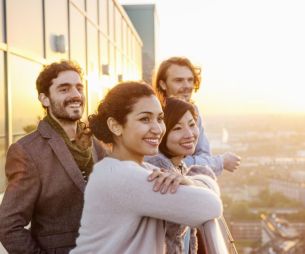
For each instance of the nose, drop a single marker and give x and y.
(188, 133)
(76, 93)
(157, 128)
(188, 84)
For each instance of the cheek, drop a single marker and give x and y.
(163, 129)
(196, 132)
(172, 139)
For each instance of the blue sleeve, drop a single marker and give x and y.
(202, 155)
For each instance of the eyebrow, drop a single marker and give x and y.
(150, 113)
(69, 84)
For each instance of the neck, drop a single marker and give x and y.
(124, 155)
(176, 160)
(69, 127)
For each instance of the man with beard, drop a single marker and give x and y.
(177, 76)
(47, 170)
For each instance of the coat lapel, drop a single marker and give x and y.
(63, 154)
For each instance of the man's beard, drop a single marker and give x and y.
(185, 94)
(60, 112)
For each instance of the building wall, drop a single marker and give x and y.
(145, 19)
(97, 34)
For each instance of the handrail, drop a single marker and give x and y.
(216, 240)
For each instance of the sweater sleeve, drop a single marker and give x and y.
(125, 186)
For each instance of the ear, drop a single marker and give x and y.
(114, 126)
(162, 85)
(45, 101)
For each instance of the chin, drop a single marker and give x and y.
(154, 152)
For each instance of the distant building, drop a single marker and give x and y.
(279, 237)
(97, 34)
(145, 19)
(246, 230)
(291, 189)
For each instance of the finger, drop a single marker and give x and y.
(159, 181)
(175, 184)
(167, 183)
(155, 174)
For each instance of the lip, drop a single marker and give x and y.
(77, 104)
(152, 141)
(188, 145)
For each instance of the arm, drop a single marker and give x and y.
(18, 202)
(130, 190)
(202, 155)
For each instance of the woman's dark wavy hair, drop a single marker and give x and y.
(118, 103)
(174, 109)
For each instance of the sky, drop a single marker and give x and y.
(252, 52)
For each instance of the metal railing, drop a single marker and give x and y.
(216, 238)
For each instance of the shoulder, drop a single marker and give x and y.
(25, 144)
(160, 161)
(112, 166)
(111, 174)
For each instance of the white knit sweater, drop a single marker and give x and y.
(122, 214)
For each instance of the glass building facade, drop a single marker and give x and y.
(95, 33)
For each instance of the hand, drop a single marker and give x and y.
(231, 161)
(165, 181)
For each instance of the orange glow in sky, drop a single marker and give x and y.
(252, 52)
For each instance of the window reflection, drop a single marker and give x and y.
(1, 21)
(80, 4)
(92, 10)
(77, 39)
(103, 15)
(22, 15)
(94, 87)
(2, 125)
(26, 108)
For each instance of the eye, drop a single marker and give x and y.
(179, 80)
(160, 119)
(63, 89)
(191, 80)
(80, 89)
(145, 119)
(177, 128)
(192, 124)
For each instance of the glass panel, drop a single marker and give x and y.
(104, 50)
(80, 4)
(77, 39)
(112, 61)
(25, 26)
(56, 26)
(111, 20)
(1, 21)
(92, 10)
(94, 86)
(118, 64)
(2, 125)
(26, 108)
(103, 12)
(124, 37)
(118, 29)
